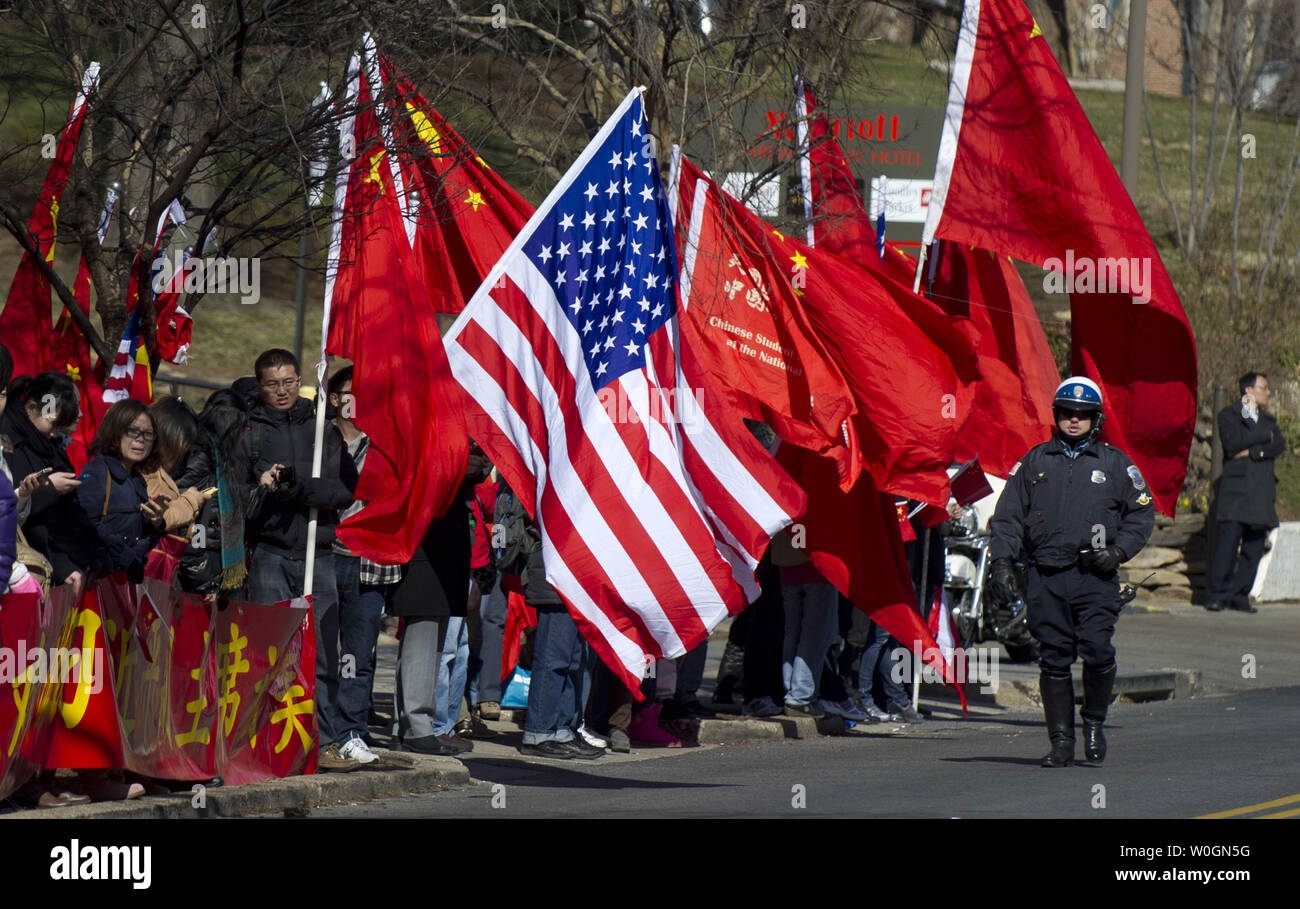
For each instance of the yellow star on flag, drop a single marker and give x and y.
(475, 199)
(1036, 31)
(73, 372)
(424, 129)
(54, 225)
(374, 175)
(799, 260)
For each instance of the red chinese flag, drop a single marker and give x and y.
(839, 221)
(908, 367)
(912, 371)
(749, 328)
(70, 353)
(1022, 172)
(854, 539)
(465, 214)
(380, 318)
(1011, 408)
(25, 321)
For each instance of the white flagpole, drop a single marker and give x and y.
(805, 154)
(347, 151)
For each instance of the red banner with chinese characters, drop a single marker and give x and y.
(141, 677)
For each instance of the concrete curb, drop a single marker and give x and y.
(1019, 688)
(295, 796)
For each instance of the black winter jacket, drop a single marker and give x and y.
(200, 568)
(111, 495)
(1053, 505)
(1247, 487)
(56, 526)
(435, 583)
(287, 437)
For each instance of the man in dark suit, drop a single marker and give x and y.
(1244, 497)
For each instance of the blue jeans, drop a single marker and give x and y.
(360, 608)
(485, 661)
(877, 666)
(453, 666)
(272, 578)
(690, 673)
(811, 617)
(556, 682)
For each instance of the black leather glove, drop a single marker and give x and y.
(1002, 581)
(1101, 562)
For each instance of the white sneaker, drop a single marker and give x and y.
(593, 739)
(354, 749)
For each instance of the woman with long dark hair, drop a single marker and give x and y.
(214, 560)
(40, 412)
(177, 428)
(113, 491)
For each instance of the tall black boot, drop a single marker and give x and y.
(1058, 708)
(1097, 685)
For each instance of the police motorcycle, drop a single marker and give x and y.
(976, 616)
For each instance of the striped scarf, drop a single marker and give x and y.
(233, 570)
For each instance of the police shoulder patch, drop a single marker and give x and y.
(1136, 476)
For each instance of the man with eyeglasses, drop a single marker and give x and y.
(1245, 493)
(280, 441)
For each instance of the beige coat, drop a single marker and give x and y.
(183, 507)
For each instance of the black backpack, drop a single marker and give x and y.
(513, 536)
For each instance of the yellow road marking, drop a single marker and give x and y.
(1250, 809)
(1294, 812)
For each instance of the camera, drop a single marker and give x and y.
(286, 476)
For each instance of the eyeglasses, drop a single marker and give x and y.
(286, 385)
(146, 435)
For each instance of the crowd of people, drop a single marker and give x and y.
(229, 491)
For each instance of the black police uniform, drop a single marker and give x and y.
(1052, 507)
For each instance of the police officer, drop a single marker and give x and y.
(1074, 509)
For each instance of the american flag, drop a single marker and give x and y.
(653, 500)
(131, 355)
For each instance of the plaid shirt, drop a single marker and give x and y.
(372, 573)
(377, 575)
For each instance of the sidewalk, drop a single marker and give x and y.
(1183, 648)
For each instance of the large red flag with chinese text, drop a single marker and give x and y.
(751, 329)
(1022, 172)
(464, 213)
(906, 364)
(1011, 409)
(379, 317)
(25, 323)
(910, 368)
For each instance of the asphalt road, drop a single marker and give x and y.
(1172, 759)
